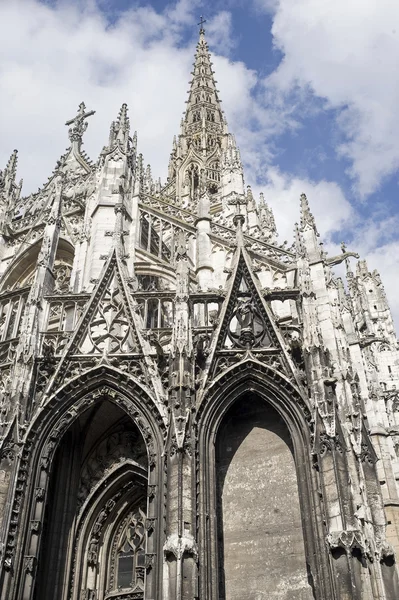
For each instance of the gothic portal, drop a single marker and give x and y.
(189, 408)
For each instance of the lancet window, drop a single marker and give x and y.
(129, 554)
(210, 116)
(206, 313)
(11, 309)
(63, 316)
(214, 171)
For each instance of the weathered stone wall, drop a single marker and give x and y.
(261, 541)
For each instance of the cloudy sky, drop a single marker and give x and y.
(309, 87)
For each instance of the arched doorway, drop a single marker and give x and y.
(93, 539)
(261, 550)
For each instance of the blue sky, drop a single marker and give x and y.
(309, 87)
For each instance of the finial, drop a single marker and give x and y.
(78, 123)
(201, 24)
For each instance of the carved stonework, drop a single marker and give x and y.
(184, 397)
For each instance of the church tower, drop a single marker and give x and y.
(188, 408)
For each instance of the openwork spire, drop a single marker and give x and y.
(204, 118)
(203, 152)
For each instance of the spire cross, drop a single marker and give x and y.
(78, 125)
(201, 23)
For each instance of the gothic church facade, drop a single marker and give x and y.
(189, 408)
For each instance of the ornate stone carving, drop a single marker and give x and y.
(348, 540)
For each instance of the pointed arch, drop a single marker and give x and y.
(272, 389)
(43, 439)
(98, 528)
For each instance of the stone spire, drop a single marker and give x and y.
(204, 157)
(204, 119)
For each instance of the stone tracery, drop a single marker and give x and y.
(135, 318)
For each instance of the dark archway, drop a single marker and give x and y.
(261, 550)
(274, 391)
(98, 480)
(77, 398)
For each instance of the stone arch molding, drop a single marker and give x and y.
(91, 530)
(276, 390)
(255, 373)
(22, 542)
(100, 375)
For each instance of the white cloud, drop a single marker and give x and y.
(67, 53)
(345, 52)
(219, 33)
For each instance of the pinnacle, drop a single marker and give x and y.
(122, 117)
(11, 167)
(119, 133)
(10, 172)
(307, 218)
